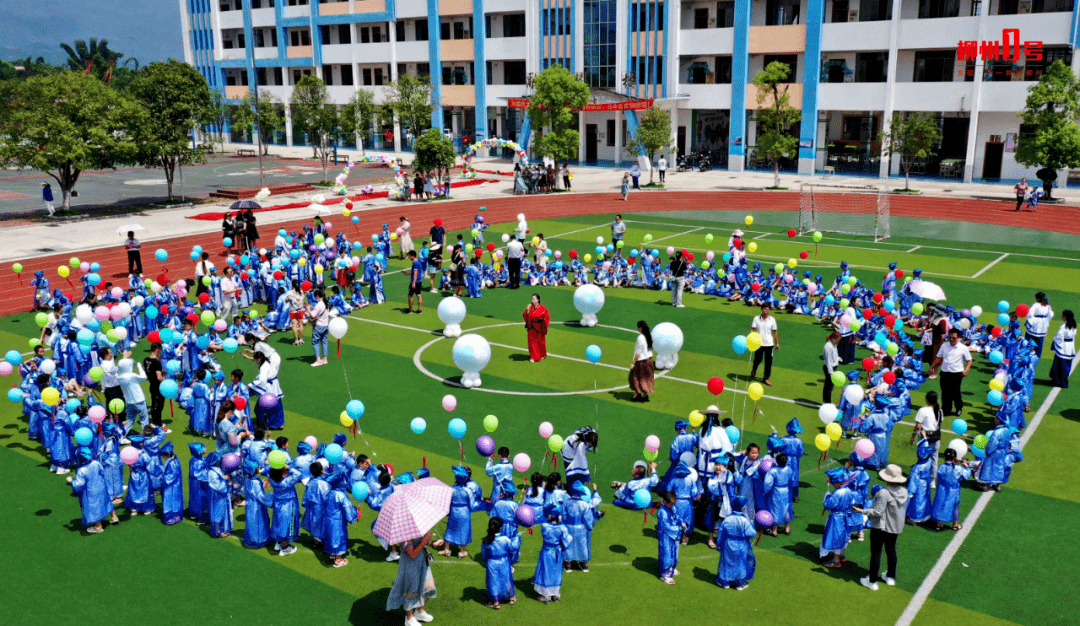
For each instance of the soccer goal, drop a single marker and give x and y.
(847, 210)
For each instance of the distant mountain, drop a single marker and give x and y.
(53, 54)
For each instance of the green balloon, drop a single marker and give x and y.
(705, 265)
(917, 308)
(96, 374)
(319, 239)
(981, 441)
(17, 268)
(148, 283)
(779, 267)
(838, 378)
(817, 236)
(852, 280)
(112, 336)
(855, 326)
(41, 319)
(116, 407)
(647, 239)
(555, 443)
(892, 349)
(650, 456)
(844, 302)
(206, 281)
(708, 238)
(491, 423)
(34, 342)
(207, 318)
(74, 262)
(907, 279)
(619, 244)
(277, 459)
(845, 288)
(475, 232)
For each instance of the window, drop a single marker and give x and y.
(791, 60)
(328, 74)
(365, 35)
(933, 66)
(997, 71)
(649, 70)
(444, 31)
(423, 69)
(378, 76)
(279, 78)
(725, 14)
(782, 12)
(859, 128)
(490, 72)
(701, 18)
(610, 132)
(875, 10)
(599, 42)
(300, 37)
(376, 34)
(260, 76)
(938, 8)
(722, 75)
(839, 11)
(649, 17)
(514, 24)
(367, 76)
(346, 75)
(514, 72)
(1012, 7)
(421, 30)
(871, 67)
(553, 22)
(344, 33)
(1035, 69)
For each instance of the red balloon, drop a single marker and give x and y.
(194, 319)
(573, 254)
(1022, 310)
(791, 233)
(889, 321)
(737, 242)
(755, 287)
(491, 247)
(996, 331)
(878, 298)
(244, 276)
(240, 403)
(631, 260)
(685, 252)
(306, 285)
(716, 385)
(154, 337)
(868, 363)
(278, 275)
(438, 222)
(349, 205)
(478, 253)
(690, 256)
(164, 310)
(804, 255)
(889, 377)
(867, 314)
(899, 273)
(204, 298)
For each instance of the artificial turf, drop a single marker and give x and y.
(178, 574)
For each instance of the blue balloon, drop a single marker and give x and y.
(94, 279)
(547, 253)
(230, 261)
(418, 425)
(13, 357)
(230, 345)
(202, 342)
(995, 397)
(380, 258)
(245, 259)
(829, 300)
(881, 340)
(599, 249)
(642, 498)
(996, 357)
(374, 238)
(178, 338)
(282, 232)
(593, 353)
(355, 409)
(161, 255)
(15, 394)
(172, 366)
(72, 404)
(166, 335)
(457, 428)
(275, 264)
(194, 255)
(959, 426)
(1003, 306)
(898, 324)
(978, 452)
(151, 312)
(610, 247)
(360, 491)
(227, 242)
(84, 348)
(294, 254)
(889, 306)
(84, 337)
(334, 453)
(727, 257)
(94, 325)
(197, 249)
(357, 245)
(732, 434)
(289, 240)
(355, 220)
(84, 436)
(169, 389)
(1003, 319)
(738, 344)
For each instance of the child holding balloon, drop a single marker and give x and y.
(946, 508)
(670, 527)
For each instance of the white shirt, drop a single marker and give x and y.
(320, 314)
(765, 328)
(271, 355)
(130, 382)
(515, 250)
(927, 419)
(661, 164)
(521, 230)
(1038, 319)
(953, 357)
(641, 349)
(110, 378)
(1065, 342)
(199, 271)
(832, 357)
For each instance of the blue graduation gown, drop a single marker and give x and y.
(198, 497)
(946, 509)
(992, 469)
(549, 566)
(836, 536)
(747, 469)
(685, 489)
(793, 447)
(89, 484)
(848, 411)
(624, 497)
(919, 502)
(139, 497)
(878, 427)
(499, 578)
(669, 530)
(172, 492)
(463, 503)
(62, 450)
(200, 420)
(338, 513)
(286, 526)
(501, 473)
(858, 485)
(778, 494)
(737, 563)
(256, 514)
(114, 468)
(220, 505)
(579, 517)
(315, 496)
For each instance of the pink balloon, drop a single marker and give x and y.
(845, 320)
(671, 249)
(399, 231)
(220, 326)
(546, 429)
(181, 292)
(84, 267)
(102, 313)
(5, 368)
(607, 265)
(522, 462)
(652, 443)
(709, 255)
(498, 254)
(129, 454)
(311, 441)
(811, 288)
(864, 448)
(326, 225)
(117, 292)
(116, 313)
(181, 283)
(96, 414)
(449, 402)
(788, 279)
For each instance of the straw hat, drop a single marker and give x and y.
(892, 474)
(713, 410)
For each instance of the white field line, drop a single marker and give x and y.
(989, 265)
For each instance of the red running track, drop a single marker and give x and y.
(458, 215)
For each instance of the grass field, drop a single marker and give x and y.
(1010, 569)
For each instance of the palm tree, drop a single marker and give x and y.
(96, 57)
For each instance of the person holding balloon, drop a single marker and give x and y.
(886, 523)
(643, 479)
(832, 362)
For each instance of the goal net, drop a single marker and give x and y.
(847, 210)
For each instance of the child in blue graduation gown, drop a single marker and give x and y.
(579, 515)
(737, 563)
(315, 495)
(919, 481)
(256, 511)
(791, 446)
(624, 492)
(463, 503)
(946, 508)
(198, 490)
(878, 427)
(687, 488)
(338, 513)
(501, 472)
(992, 469)
(110, 460)
(669, 531)
(497, 551)
(547, 581)
(172, 486)
(220, 503)
(140, 498)
(89, 484)
(838, 503)
(506, 509)
(286, 526)
(778, 494)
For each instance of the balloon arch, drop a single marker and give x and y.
(491, 143)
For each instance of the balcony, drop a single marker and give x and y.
(368, 6)
(503, 48)
(504, 6)
(938, 33)
(706, 41)
(1007, 96)
(235, 92)
(497, 94)
(856, 36)
(299, 52)
(456, 50)
(262, 17)
(851, 96)
(717, 96)
(456, 7)
(794, 91)
(266, 53)
(233, 54)
(458, 95)
(300, 10)
(777, 39)
(411, 8)
(414, 51)
(933, 96)
(230, 19)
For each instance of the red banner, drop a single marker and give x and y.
(630, 105)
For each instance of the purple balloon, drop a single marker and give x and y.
(480, 219)
(89, 382)
(764, 519)
(766, 465)
(230, 461)
(966, 313)
(268, 400)
(1000, 371)
(485, 445)
(526, 515)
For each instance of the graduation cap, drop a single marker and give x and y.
(303, 448)
(341, 439)
(168, 448)
(213, 459)
(250, 467)
(892, 266)
(552, 510)
(196, 448)
(843, 264)
(794, 427)
(461, 473)
(738, 503)
(837, 476)
(682, 470)
(83, 455)
(423, 472)
(681, 424)
(924, 450)
(137, 440)
(881, 401)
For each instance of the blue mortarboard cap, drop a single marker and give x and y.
(196, 448)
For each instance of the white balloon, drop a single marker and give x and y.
(125, 308)
(138, 301)
(84, 314)
(960, 446)
(976, 311)
(599, 241)
(338, 327)
(121, 333)
(452, 310)
(854, 394)
(589, 299)
(827, 413)
(48, 366)
(505, 238)
(155, 287)
(667, 338)
(471, 353)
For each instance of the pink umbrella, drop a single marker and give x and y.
(412, 510)
(928, 290)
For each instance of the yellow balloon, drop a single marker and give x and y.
(319, 268)
(393, 236)
(834, 431)
(50, 396)
(822, 441)
(753, 341)
(588, 258)
(63, 271)
(536, 241)
(346, 212)
(696, 418)
(346, 421)
(301, 261)
(752, 247)
(792, 263)
(997, 385)
(749, 220)
(755, 391)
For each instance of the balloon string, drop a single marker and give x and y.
(758, 538)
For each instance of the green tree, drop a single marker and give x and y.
(653, 133)
(410, 100)
(95, 56)
(65, 124)
(175, 97)
(911, 137)
(433, 152)
(215, 117)
(357, 116)
(313, 110)
(557, 94)
(267, 120)
(1053, 107)
(775, 115)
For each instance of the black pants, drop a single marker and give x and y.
(662, 172)
(1019, 201)
(157, 405)
(113, 393)
(513, 266)
(950, 392)
(826, 394)
(764, 352)
(134, 262)
(880, 539)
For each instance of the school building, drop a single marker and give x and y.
(854, 63)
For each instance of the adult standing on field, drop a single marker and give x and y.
(954, 361)
(133, 246)
(765, 325)
(661, 166)
(514, 253)
(832, 361)
(886, 523)
(618, 230)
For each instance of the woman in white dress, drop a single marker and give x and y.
(1064, 350)
(406, 239)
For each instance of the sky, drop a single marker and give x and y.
(148, 30)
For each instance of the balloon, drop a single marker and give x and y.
(652, 443)
(650, 456)
(889, 377)
(491, 423)
(917, 308)
(868, 363)
(83, 436)
(485, 445)
(959, 426)
(864, 448)
(418, 425)
(116, 406)
(169, 389)
(996, 357)
(522, 462)
(976, 311)
(360, 491)
(738, 344)
(334, 453)
(161, 255)
(525, 515)
(854, 394)
(345, 420)
(230, 461)
(732, 434)
(642, 498)
(834, 431)
(764, 519)
(838, 378)
(555, 443)
(755, 391)
(230, 345)
(240, 403)
(716, 385)
(355, 409)
(457, 428)
(5, 368)
(50, 396)
(753, 341)
(1003, 306)
(268, 400)
(995, 397)
(827, 413)
(960, 446)
(817, 236)
(128, 455)
(277, 459)
(696, 418)
(449, 402)
(997, 385)
(15, 394)
(593, 353)
(822, 442)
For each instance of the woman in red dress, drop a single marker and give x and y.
(537, 321)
